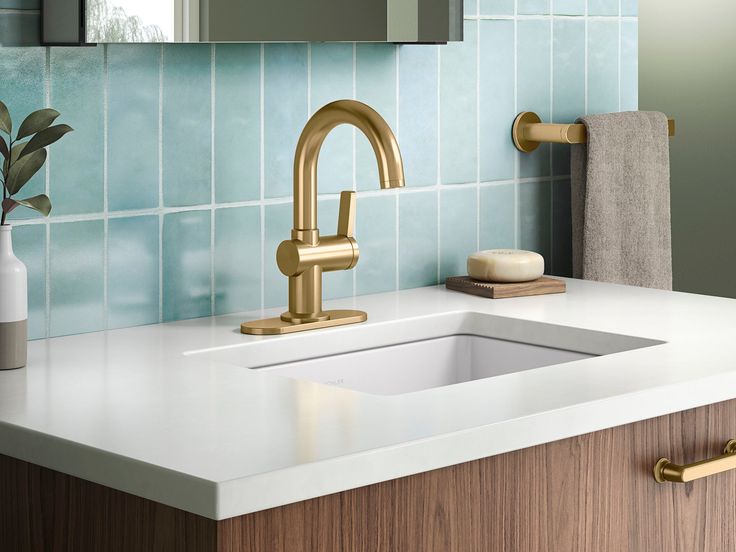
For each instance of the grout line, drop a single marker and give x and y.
(585, 51)
(262, 101)
(517, 155)
(537, 17)
(47, 190)
(477, 135)
(439, 163)
(354, 150)
(161, 187)
(309, 80)
(105, 185)
(162, 211)
(398, 196)
(619, 55)
(213, 181)
(551, 267)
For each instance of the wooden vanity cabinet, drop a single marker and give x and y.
(593, 493)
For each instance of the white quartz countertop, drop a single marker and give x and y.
(154, 412)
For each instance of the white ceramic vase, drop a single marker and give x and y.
(13, 305)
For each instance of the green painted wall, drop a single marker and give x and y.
(687, 68)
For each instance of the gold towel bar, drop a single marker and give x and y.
(529, 131)
(664, 470)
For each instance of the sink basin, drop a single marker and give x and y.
(425, 364)
(407, 356)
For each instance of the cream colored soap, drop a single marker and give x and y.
(505, 265)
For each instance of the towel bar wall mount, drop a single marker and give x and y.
(529, 131)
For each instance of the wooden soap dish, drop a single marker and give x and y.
(495, 290)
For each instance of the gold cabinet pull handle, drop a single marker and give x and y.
(664, 470)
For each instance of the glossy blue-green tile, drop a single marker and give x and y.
(186, 265)
(133, 126)
(132, 271)
(237, 122)
(533, 7)
(470, 7)
(375, 231)
(375, 85)
(22, 90)
(603, 7)
(458, 109)
(603, 55)
(630, 7)
(237, 259)
(332, 79)
(278, 223)
(534, 218)
(496, 7)
(418, 239)
(498, 217)
(20, 29)
(569, 7)
(458, 230)
(77, 277)
(285, 113)
(568, 98)
(561, 229)
(533, 87)
(418, 104)
(187, 124)
(340, 282)
(21, 4)
(497, 152)
(629, 66)
(29, 245)
(76, 161)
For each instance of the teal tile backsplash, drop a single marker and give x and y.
(132, 271)
(77, 90)
(237, 142)
(187, 265)
(174, 191)
(134, 83)
(76, 277)
(187, 124)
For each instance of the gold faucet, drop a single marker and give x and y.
(307, 255)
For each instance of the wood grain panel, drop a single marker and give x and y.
(42, 510)
(497, 290)
(593, 493)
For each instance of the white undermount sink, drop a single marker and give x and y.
(436, 351)
(425, 364)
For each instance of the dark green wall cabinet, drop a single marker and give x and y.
(101, 21)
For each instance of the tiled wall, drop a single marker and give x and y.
(174, 191)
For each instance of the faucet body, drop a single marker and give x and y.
(307, 255)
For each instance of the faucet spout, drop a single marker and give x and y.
(307, 255)
(375, 128)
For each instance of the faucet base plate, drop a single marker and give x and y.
(277, 326)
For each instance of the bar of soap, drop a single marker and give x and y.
(505, 265)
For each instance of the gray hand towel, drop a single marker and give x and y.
(621, 200)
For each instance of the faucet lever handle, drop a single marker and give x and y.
(346, 217)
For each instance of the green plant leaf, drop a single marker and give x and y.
(36, 122)
(15, 152)
(22, 171)
(40, 203)
(45, 138)
(6, 123)
(4, 147)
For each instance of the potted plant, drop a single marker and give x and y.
(23, 156)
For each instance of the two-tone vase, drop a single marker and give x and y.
(13, 305)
